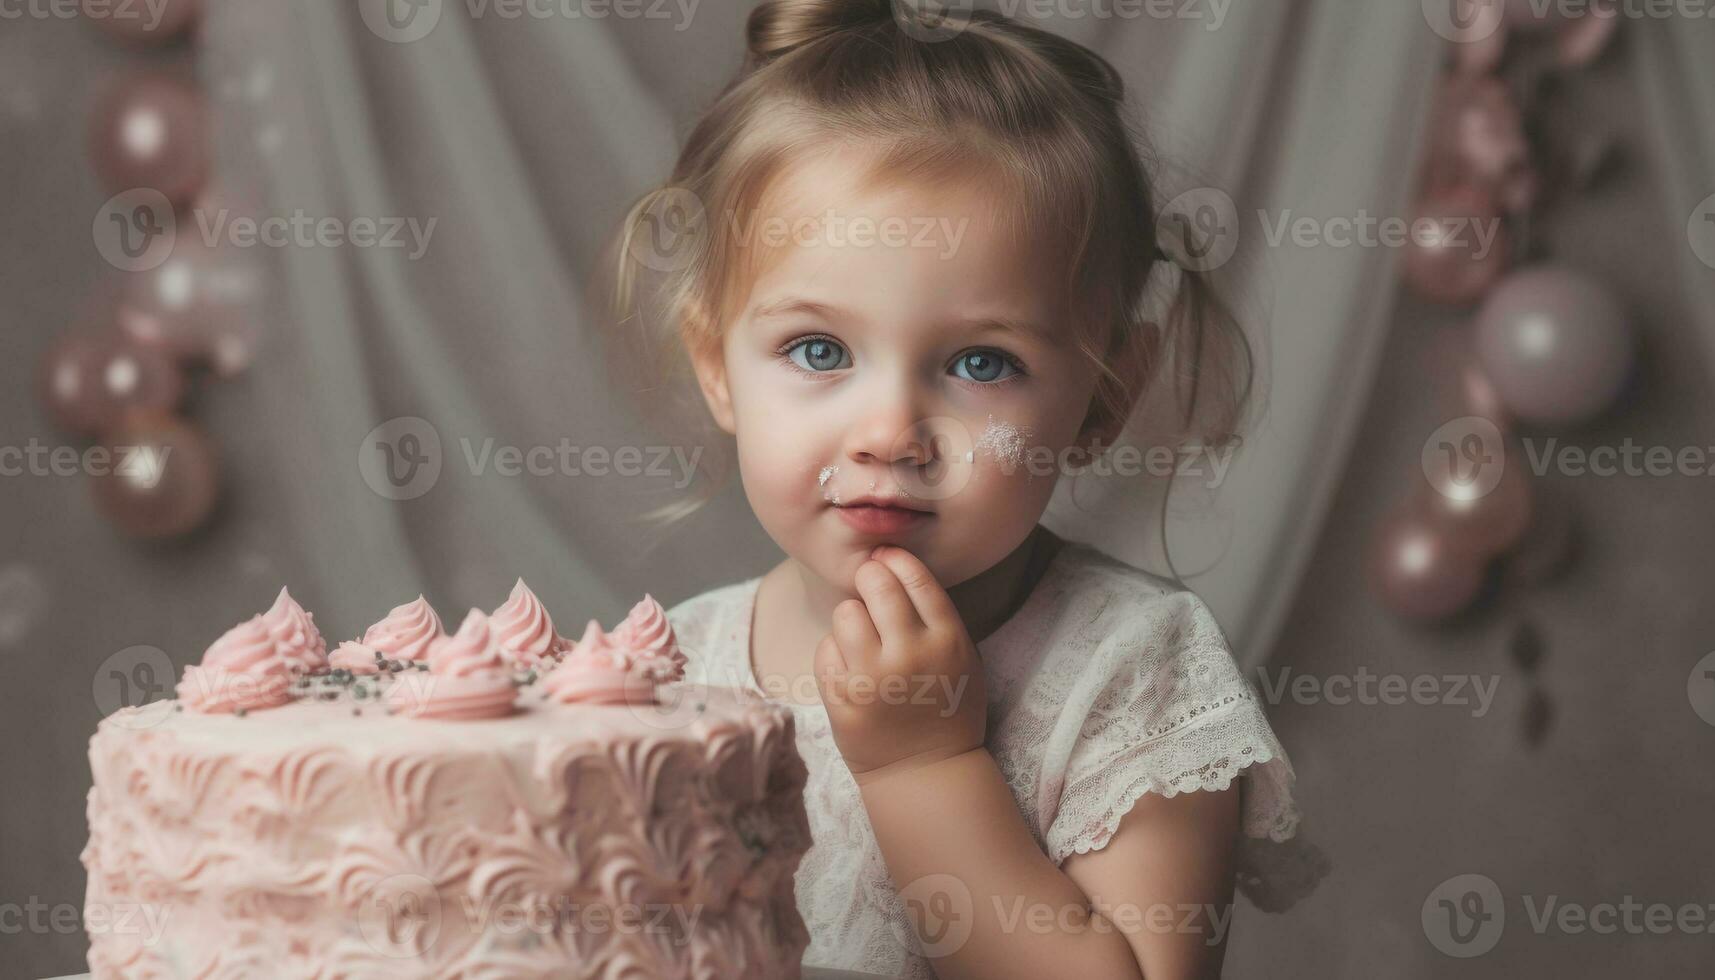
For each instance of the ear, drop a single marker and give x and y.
(709, 361)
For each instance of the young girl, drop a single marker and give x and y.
(907, 263)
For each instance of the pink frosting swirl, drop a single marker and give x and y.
(471, 650)
(523, 628)
(407, 631)
(648, 636)
(243, 669)
(355, 656)
(294, 630)
(467, 677)
(216, 690)
(464, 697)
(597, 672)
(249, 646)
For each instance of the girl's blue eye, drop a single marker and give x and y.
(820, 354)
(984, 366)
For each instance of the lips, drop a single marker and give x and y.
(870, 518)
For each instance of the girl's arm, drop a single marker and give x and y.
(983, 898)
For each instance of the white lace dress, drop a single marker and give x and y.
(1105, 685)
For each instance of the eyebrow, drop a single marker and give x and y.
(792, 305)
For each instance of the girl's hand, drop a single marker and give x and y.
(899, 674)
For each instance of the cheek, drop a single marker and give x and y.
(779, 452)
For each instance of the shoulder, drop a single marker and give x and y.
(704, 606)
(1131, 615)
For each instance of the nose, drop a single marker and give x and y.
(889, 426)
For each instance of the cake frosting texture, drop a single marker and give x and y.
(563, 841)
(335, 836)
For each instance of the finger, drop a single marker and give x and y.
(894, 614)
(828, 661)
(930, 603)
(830, 670)
(859, 644)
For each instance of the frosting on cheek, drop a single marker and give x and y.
(1004, 442)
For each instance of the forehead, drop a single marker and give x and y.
(831, 228)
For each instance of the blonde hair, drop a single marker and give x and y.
(1038, 113)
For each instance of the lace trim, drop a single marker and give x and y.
(1183, 766)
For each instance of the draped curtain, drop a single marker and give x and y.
(525, 140)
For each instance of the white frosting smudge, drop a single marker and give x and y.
(830, 494)
(1004, 441)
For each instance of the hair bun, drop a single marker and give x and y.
(778, 26)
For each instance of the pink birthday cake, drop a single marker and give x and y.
(496, 801)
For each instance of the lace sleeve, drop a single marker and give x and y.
(1165, 710)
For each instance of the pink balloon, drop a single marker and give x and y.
(1420, 570)
(1475, 53)
(68, 386)
(1479, 397)
(151, 130)
(1487, 522)
(155, 22)
(1555, 343)
(1477, 140)
(1580, 42)
(89, 381)
(1581, 31)
(196, 305)
(164, 480)
(1458, 246)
